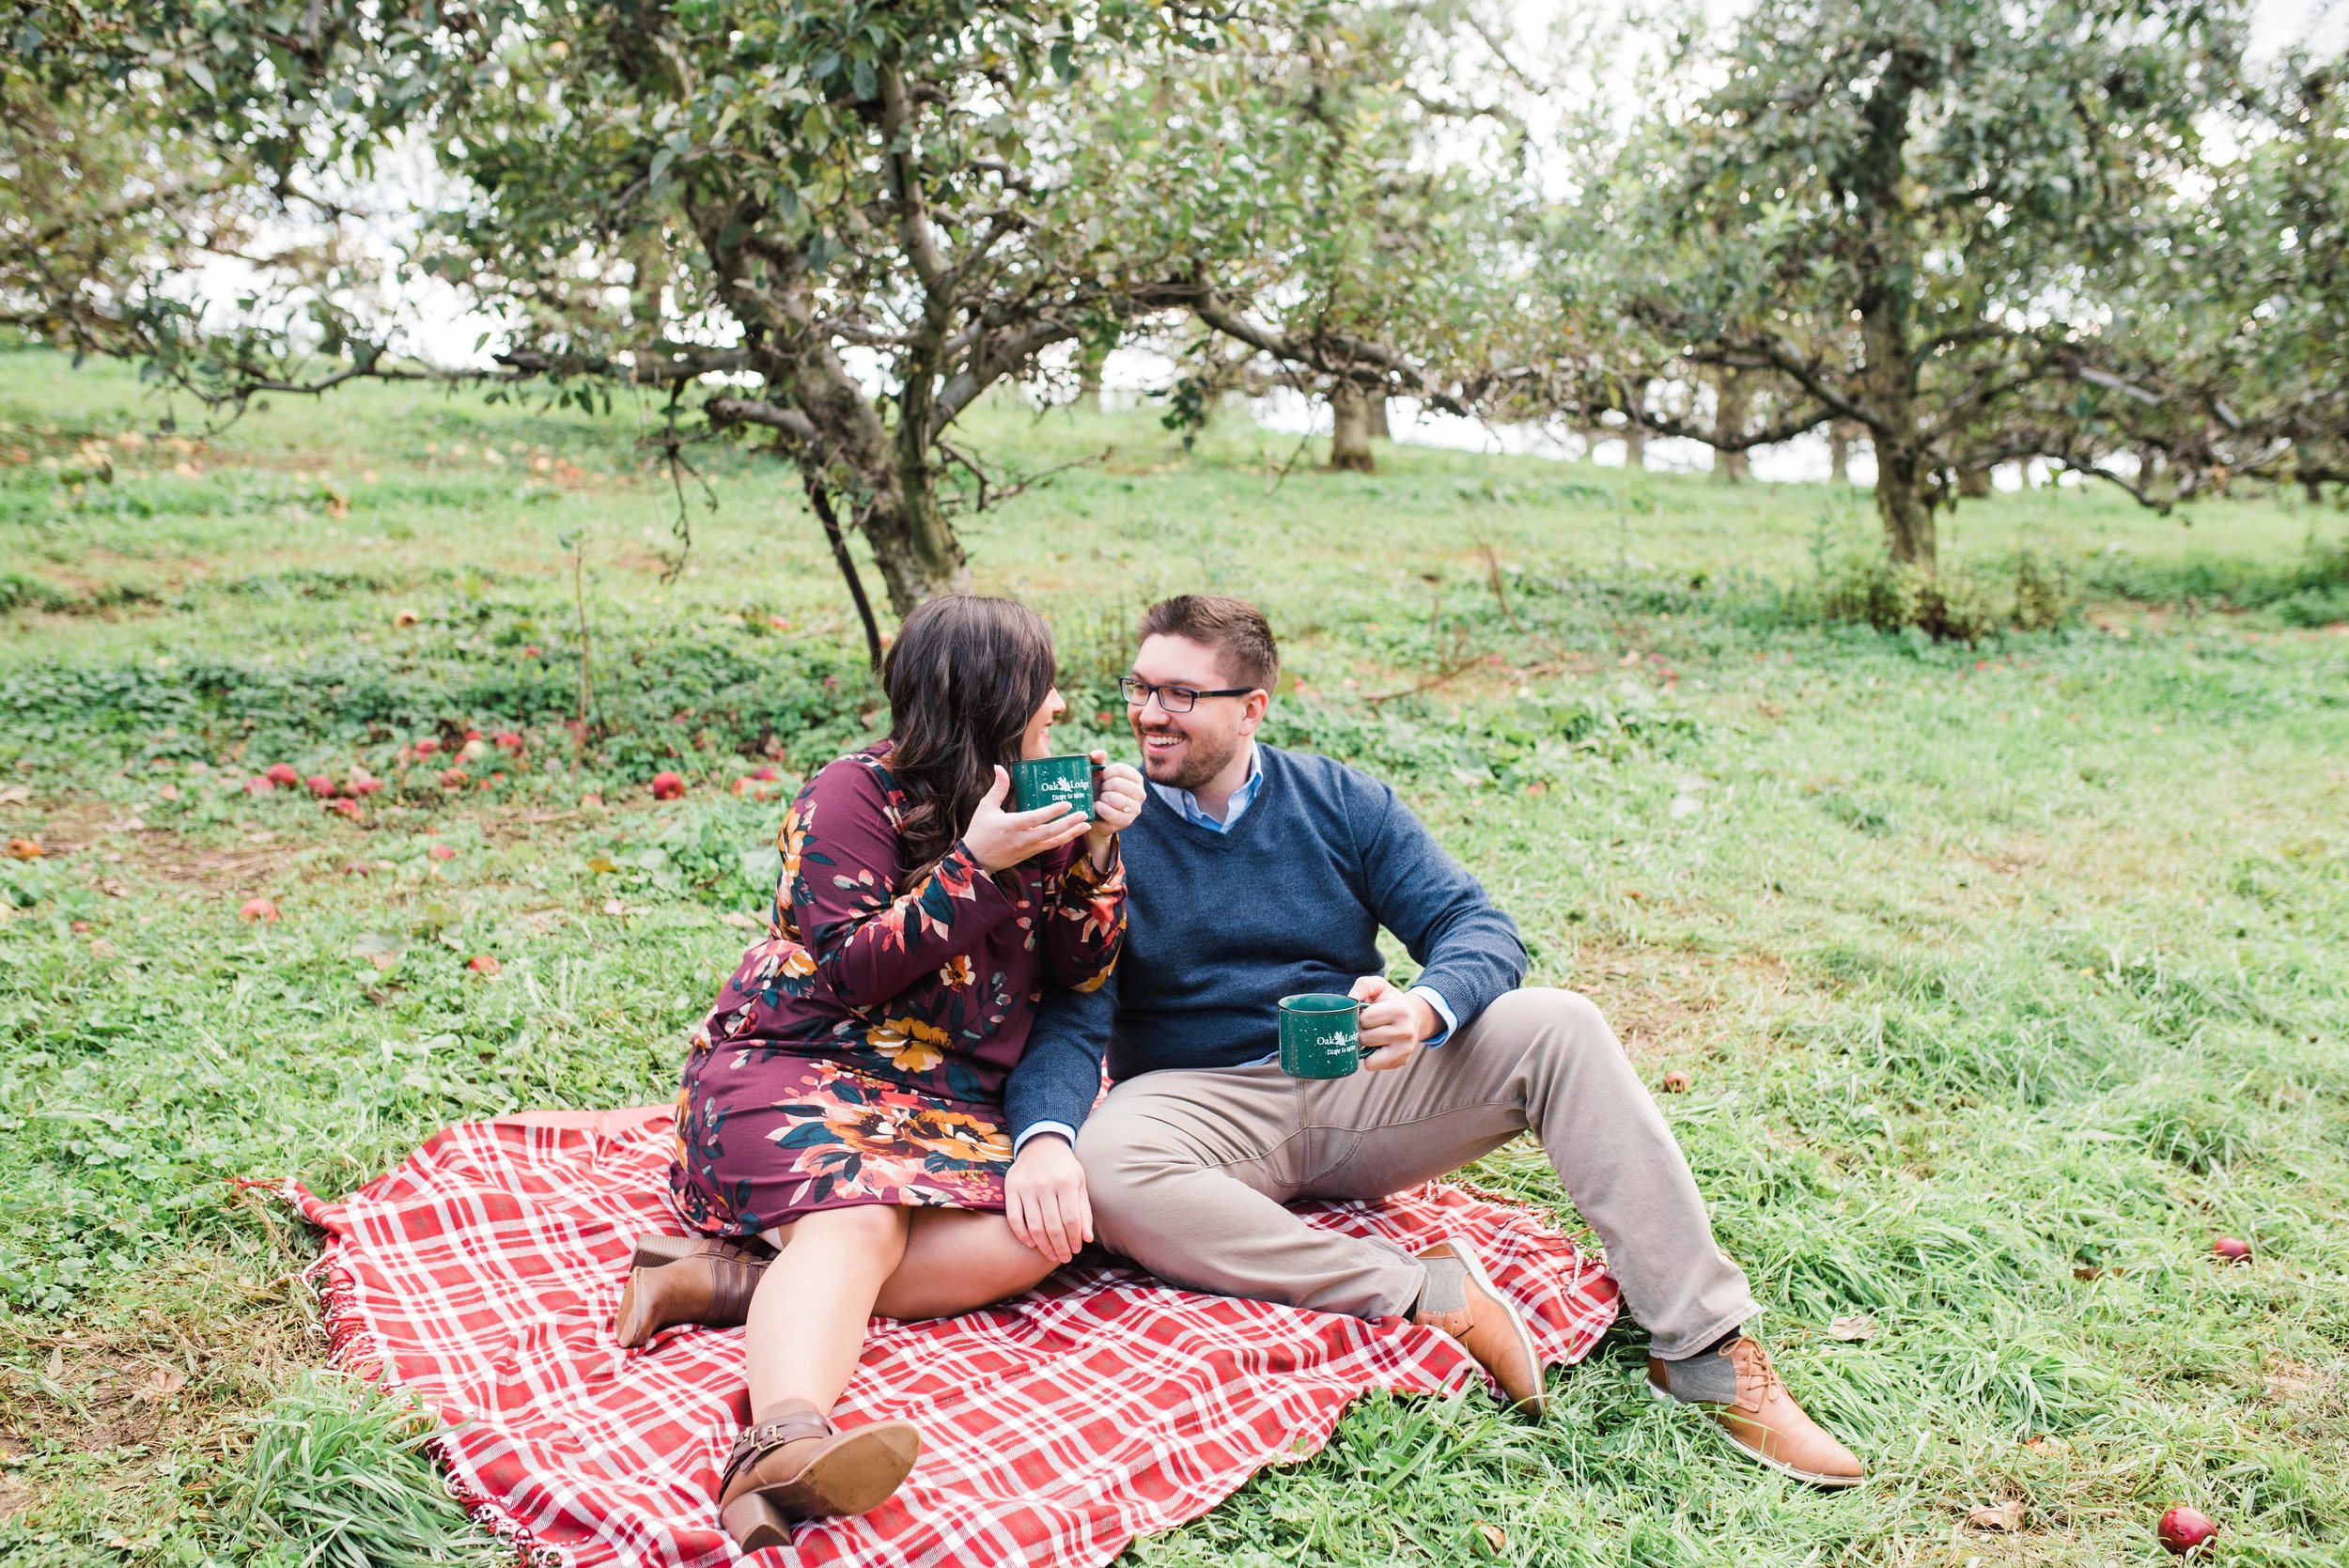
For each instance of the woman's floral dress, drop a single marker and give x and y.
(859, 1053)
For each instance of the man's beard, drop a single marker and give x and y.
(1199, 766)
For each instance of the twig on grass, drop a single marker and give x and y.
(1450, 672)
(1500, 596)
(577, 544)
(820, 501)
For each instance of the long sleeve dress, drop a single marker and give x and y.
(859, 1053)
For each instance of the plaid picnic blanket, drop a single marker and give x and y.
(484, 1272)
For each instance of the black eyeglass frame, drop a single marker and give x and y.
(1128, 685)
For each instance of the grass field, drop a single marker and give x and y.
(2007, 975)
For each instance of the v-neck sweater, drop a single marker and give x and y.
(1220, 927)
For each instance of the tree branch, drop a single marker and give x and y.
(728, 411)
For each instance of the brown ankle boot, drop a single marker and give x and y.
(1755, 1409)
(675, 1280)
(795, 1465)
(1459, 1300)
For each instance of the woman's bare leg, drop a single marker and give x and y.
(806, 1327)
(959, 1261)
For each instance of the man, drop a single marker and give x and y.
(1265, 872)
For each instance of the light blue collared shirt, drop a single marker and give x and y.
(1187, 805)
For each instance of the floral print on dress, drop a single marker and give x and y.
(859, 1052)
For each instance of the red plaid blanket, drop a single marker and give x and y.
(483, 1275)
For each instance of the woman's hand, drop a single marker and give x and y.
(1000, 838)
(1114, 808)
(1044, 1198)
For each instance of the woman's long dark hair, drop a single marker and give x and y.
(964, 676)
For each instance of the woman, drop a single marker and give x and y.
(844, 1099)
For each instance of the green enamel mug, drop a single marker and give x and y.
(1321, 1034)
(1040, 782)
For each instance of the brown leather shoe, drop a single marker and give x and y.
(651, 1251)
(1757, 1412)
(1460, 1300)
(795, 1465)
(676, 1279)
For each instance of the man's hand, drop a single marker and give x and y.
(1044, 1198)
(1393, 1023)
(1114, 809)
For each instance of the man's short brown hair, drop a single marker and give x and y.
(1237, 629)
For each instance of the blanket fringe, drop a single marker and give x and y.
(351, 1346)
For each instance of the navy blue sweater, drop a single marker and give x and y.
(1220, 927)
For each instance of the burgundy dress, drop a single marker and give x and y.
(859, 1053)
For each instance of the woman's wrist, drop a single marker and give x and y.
(1102, 847)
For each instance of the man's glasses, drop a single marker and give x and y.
(1174, 699)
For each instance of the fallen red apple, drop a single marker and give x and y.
(2187, 1531)
(453, 778)
(1675, 1082)
(591, 802)
(258, 909)
(80, 926)
(441, 852)
(258, 785)
(768, 771)
(426, 747)
(366, 786)
(508, 742)
(342, 805)
(531, 651)
(481, 963)
(26, 850)
(2232, 1249)
(281, 773)
(667, 786)
(473, 735)
(319, 786)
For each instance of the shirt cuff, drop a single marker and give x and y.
(1062, 1127)
(1434, 999)
(1082, 872)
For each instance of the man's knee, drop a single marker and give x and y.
(1550, 1020)
(1120, 1157)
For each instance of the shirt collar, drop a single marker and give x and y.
(1184, 801)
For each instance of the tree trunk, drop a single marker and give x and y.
(1634, 446)
(913, 544)
(1349, 428)
(1840, 433)
(1378, 428)
(1733, 404)
(1090, 358)
(1974, 484)
(1900, 503)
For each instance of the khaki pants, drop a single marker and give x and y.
(1189, 1171)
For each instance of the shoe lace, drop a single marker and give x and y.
(1756, 1376)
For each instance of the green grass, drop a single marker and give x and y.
(2007, 975)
